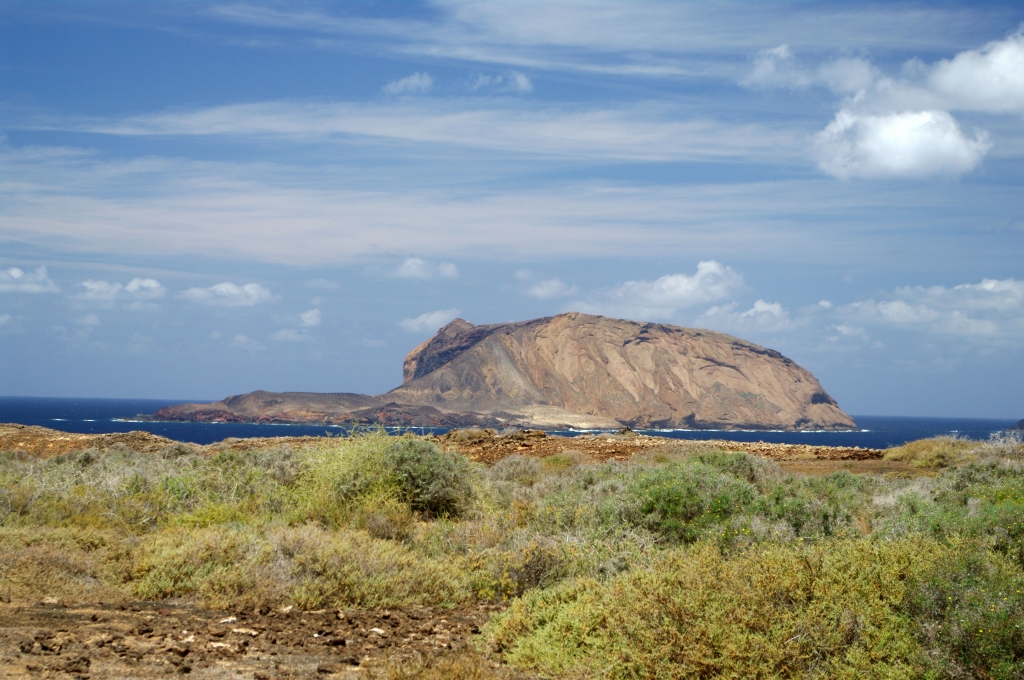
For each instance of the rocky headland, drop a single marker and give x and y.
(571, 370)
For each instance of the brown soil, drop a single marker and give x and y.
(489, 448)
(145, 640)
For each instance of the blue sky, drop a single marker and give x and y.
(203, 199)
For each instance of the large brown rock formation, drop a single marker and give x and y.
(574, 370)
(579, 367)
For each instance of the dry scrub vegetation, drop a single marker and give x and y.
(681, 562)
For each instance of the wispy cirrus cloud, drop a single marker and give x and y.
(644, 131)
(650, 38)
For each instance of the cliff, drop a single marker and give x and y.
(574, 370)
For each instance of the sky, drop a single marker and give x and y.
(200, 199)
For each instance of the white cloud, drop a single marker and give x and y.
(993, 308)
(100, 290)
(662, 298)
(5, 319)
(990, 79)
(88, 320)
(290, 335)
(414, 268)
(417, 83)
(246, 343)
(761, 317)
(776, 67)
(145, 288)
(523, 274)
(847, 74)
(228, 294)
(909, 144)
(418, 268)
(646, 130)
(15, 280)
(311, 318)
(513, 81)
(551, 288)
(826, 304)
(136, 290)
(646, 38)
(429, 321)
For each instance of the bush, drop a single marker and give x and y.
(834, 610)
(682, 502)
(429, 480)
(934, 452)
(519, 469)
(970, 615)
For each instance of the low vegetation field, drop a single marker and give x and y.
(683, 561)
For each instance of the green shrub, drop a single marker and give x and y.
(430, 480)
(970, 615)
(519, 469)
(682, 502)
(833, 610)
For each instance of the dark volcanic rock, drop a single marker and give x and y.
(1019, 426)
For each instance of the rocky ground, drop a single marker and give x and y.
(144, 640)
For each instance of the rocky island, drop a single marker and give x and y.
(570, 370)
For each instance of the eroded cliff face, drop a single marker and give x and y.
(602, 371)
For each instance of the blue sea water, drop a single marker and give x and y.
(94, 416)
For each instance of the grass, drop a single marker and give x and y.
(683, 562)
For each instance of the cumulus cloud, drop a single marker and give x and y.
(990, 79)
(310, 318)
(417, 83)
(992, 308)
(136, 289)
(228, 294)
(663, 297)
(145, 288)
(551, 288)
(418, 268)
(100, 290)
(762, 316)
(429, 321)
(908, 144)
(15, 280)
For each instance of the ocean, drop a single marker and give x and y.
(93, 416)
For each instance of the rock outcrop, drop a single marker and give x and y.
(1019, 426)
(273, 407)
(570, 370)
(585, 370)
